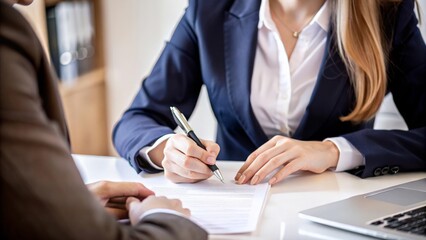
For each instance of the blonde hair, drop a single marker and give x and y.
(361, 44)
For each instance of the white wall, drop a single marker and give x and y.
(135, 34)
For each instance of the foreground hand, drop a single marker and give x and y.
(137, 208)
(184, 161)
(292, 155)
(113, 195)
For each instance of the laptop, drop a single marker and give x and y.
(397, 212)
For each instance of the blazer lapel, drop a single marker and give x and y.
(240, 32)
(332, 84)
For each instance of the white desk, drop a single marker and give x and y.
(280, 217)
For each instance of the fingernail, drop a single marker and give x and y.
(272, 181)
(238, 176)
(241, 179)
(210, 160)
(254, 180)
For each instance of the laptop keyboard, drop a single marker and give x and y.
(413, 221)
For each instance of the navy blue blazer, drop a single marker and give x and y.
(214, 44)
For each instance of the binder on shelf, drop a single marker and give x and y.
(85, 35)
(71, 36)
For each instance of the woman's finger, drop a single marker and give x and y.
(254, 155)
(212, 147)
(274, 163)
(172, 167)
(263, 158)
(175, 157)
(189, 148)
(291, 167)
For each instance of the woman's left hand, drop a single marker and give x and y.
(292, 155)
(113, 195)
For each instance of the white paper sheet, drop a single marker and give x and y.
(217, 207)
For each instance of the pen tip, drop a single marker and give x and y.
(218, 174)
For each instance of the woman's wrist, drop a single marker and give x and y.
(156, 154)
(333, 156)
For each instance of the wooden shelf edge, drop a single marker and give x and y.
(85, 81)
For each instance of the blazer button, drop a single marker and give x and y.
(394, 169)
(385, 170)
(377, 172)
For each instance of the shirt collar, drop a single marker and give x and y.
(265, 18)
(322, 17)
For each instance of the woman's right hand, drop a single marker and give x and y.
(137, 208)
(184, 161)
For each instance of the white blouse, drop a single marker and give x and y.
(284, 86)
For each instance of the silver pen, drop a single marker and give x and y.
(183, 124)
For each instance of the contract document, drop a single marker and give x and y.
(219, 208)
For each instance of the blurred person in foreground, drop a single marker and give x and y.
(42, 193)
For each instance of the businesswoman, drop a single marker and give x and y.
(294, 86)
(42, 193)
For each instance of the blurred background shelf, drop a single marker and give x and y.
(85, 108)
(91, 79)
(84, 96)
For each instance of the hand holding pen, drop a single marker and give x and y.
(185, 161)
(184, 125)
